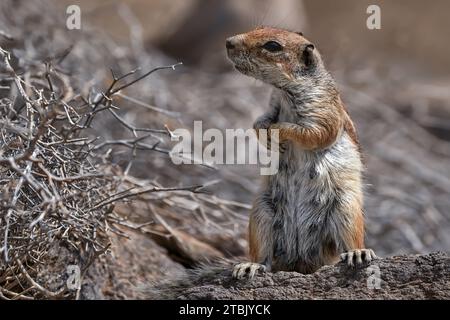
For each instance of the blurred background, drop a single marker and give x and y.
(395, 82)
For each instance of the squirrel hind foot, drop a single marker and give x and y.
(358, 257)
(249, 269)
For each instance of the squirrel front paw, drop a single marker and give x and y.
(248, 269)
(263, 122)
(266, 138)
(358, 257)
(261, 128)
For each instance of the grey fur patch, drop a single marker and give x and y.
(309, 208)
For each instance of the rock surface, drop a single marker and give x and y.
(398, 277)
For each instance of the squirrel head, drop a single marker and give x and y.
(275, 56)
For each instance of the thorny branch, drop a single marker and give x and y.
(55, 184)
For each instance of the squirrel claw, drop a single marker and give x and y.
(358, 257)
(247, 268)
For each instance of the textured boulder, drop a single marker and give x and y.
(399, 277)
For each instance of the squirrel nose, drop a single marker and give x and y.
(230, 43)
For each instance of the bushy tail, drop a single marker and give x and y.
(207, 274)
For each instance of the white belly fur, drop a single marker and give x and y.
(310, 194)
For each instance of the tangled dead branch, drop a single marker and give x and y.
(57, 184)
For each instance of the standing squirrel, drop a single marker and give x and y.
(310, 213)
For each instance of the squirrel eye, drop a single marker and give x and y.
(272, 46)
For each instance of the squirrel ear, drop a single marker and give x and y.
(307, 55)
(299, 33)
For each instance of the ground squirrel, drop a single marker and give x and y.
(311, 212)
